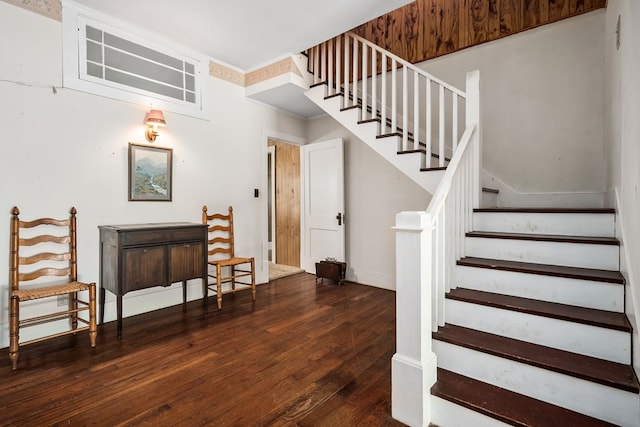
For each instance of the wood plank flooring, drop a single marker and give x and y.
(304, 354)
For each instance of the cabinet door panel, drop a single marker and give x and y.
(186, 261)
(144, 268)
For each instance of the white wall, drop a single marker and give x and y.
(622, 136)
(542, 95)
(375, 191)
(62, 148)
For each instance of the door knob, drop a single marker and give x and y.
(339, 218)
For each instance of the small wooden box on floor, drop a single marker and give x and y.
(333, 270)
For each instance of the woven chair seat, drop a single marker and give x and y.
(49, 291)
(230, 261)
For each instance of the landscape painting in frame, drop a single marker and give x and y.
(149, 173)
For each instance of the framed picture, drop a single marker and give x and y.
(150, 173)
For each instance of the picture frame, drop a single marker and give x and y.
(150, 173)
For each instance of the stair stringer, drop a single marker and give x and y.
(387, 147)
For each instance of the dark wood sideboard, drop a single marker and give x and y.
(140, 256)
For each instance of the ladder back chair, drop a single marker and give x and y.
(226, 267)
(43, 251)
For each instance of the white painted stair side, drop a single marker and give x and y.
(593, 399)
(585, 255)
(589, 340)
(578, 292)
(557, 223)
(409, 164)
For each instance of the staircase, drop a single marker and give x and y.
(507, 316)
(409, 117)
(535, 331)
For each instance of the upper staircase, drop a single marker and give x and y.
(504, 316)
(408, 116)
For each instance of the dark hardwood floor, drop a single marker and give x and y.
(303, 354)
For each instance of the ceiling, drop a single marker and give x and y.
(249, 34)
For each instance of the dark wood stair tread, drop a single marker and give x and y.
(609, 276)
(586, 316)
(545, 237)
(548, 210)
(504, 405)
(588, 368)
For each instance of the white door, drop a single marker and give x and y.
(323, 202)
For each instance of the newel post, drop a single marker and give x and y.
(413, 366)
(473, 117)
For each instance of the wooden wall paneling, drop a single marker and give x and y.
(495, 11)
(413, 34)
(287, 201)
(447, 28)
(426, 29)
(376, 32)
(389, 31)
(544, 12)
(531, 13)
(464, 19)
(479, 20)
(511, 17)
(430, 28)
(558, 9)
(577, 6)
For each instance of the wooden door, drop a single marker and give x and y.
(287, 203)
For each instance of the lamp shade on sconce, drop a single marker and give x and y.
(154, 119)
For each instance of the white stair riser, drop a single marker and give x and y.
(593, 399)
(445, 413)
(574, 337)
(582, 293)
(603, 257)
(568, 224)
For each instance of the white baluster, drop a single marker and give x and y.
(365, 72)
(338, 68)
(323, 63)
(428, 130)
(441, 128)
(374, 84)
(316, 64)
(356, 44)
(454, 122)
(394, 97)
(416, 110)
(383, 103)
(330, 69)
(440, 266)
(405, 109)
(347, 69)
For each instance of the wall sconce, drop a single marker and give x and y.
(154, 119)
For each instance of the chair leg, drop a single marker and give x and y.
(253, 280)
(73, 307)
(205, 294)
(93, 330)
(233, 279)
(14, 335)
(219, 285)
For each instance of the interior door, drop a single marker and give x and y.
(324, 228)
